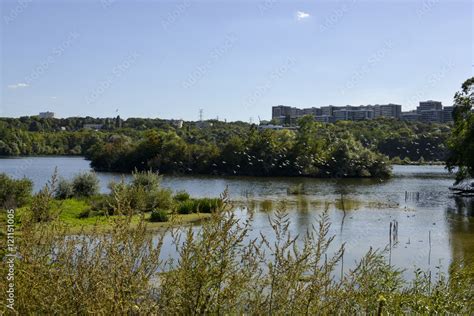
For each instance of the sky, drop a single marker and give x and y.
(232, 59)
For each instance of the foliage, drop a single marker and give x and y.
(181, 196)
(85, 184)
(64, 189)
(237, 148)
(13, 192)
(202, 205)
(159, 216)
(220, 271)
(314, 150)
(461, 142)
(148, 180)
(143, 193)
(207, 205)
(187, 207)
(42, 205)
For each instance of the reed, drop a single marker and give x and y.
(219, 269)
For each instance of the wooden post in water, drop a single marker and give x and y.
(429, 252)
(390, 244)
(344, 211)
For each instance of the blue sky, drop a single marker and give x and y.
(234, 59)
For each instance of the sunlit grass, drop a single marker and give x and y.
(69, 212)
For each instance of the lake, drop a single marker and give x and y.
(417, 198)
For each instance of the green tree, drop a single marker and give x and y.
(461, 142)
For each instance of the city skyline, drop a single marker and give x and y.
(234, 60)
(426, 111)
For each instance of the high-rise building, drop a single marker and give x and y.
(431, 116)
(429, 105)
(328, 110)
(411, 116)
(387, 110)
(430, 111)
(427, 111)
(353, 114)
(281, 111)
(448, 114)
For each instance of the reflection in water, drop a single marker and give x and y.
(460, 214)
(266, 205)
(464, 205)
(302, 204)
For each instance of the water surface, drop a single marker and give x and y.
(416, 197)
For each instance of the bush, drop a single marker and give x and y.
(181, 196)
(64, 190)
(85, 184)
(42, 204)
(208, 205)
(149, 180)
(397, 161)
(143, 194)
(187, 207)
(161, 199)
(14, 193)
(101, 204)
(159, 216)
(84, 213)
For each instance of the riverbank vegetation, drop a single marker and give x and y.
(342, 149)
(219, 270)
(78, 203)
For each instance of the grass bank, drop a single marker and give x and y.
(71, 213)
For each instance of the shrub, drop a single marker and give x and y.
(181, 196)
(187, 207)
(143, 194)
(208, 205)
(159, 216)
(84, 213)
(85, 184)
(396, 160)
(101, 204)
(161, 199)
(149, 180)
(14, 193)
(41, 209)
(64, 190)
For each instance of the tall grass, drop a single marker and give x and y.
(220, 270)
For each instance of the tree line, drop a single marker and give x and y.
(342, 149)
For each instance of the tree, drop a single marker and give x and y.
(461, 142)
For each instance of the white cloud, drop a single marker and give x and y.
(301, 15)
(18, 85)
(54, 98)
